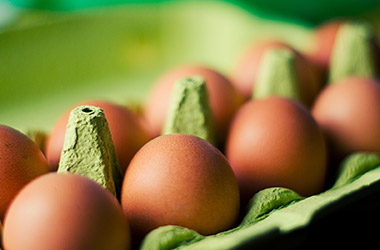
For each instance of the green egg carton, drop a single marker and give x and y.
(50, 61)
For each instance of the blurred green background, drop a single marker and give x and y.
(54, 54)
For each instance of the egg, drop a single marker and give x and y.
(276, 142)
(322, 44)
(180, 179)
(20, 162)
(224, 99)
(345, 48)
(348, 111)
(65, 212)
(246, 71)
(128, 133)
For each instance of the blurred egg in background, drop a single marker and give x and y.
(57, 53)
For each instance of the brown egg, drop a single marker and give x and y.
(20, 162)
(246, 71)
(65, 212)
(348, 111)
(224, 99)
(322, 44)
(276, 142)
(128, 133)
(180, 179)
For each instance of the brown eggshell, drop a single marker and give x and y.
(276, 142)
(246, 72)
(348, 111)
(180, 179)
(323, 43)
(308, 80)
(224, 99)
(128, 133)
(65, 212)
(20, 162)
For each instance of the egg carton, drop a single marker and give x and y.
(278, 218)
